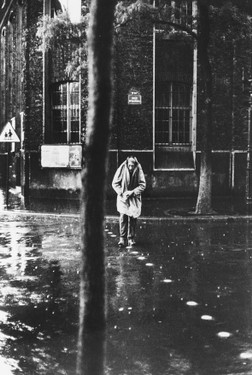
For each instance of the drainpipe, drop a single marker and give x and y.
(27, 112)
(249, 152)
(232, 155)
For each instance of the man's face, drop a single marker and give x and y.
(131, 165)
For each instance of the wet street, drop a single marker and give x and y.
(178, 303)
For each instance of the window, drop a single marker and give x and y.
(66, 112)
(174, 103)
(172, 114)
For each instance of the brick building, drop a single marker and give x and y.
(157, 106)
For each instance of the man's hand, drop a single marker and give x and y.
(128, 193)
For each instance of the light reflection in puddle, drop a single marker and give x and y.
(167, 281)
(191, 303)
(246, 355)
(8, 366)
(207, 317)
(4, 338)
(3, 316)
(26, 278)
(6, 290)
(224, 335)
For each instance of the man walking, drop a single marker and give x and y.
(129, 182)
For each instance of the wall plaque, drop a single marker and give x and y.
(61, 156)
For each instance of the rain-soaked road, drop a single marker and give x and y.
(178, 303)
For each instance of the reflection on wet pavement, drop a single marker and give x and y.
(14, 198)
(178, 303)
(38, 299)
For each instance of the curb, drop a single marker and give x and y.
(177, 218)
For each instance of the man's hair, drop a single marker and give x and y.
(131, 158)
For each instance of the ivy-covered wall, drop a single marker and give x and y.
(12, 62)
(229, 54)
(21, 70)
(33, 81)
(132, 126)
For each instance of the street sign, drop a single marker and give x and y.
(8, 134)
(134, 97)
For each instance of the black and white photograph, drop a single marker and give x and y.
(125, 187)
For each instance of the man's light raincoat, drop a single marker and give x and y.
(122, 183)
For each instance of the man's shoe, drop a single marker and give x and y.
(122, 242)
(131, 242)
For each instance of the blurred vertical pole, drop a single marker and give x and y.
(249, 151)
(92, 315)
(154, 91)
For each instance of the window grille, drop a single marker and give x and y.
(180, 10)
(66, 112)
(172, 114)
(183, 11)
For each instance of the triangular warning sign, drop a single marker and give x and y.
(8, 134)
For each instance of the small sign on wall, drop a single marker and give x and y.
(134, 97)
(61, 156)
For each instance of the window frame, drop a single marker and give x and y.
(171, 107)
(170, 151)
(68, 107)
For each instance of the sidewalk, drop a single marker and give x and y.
(153, 208)
(184, 208)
